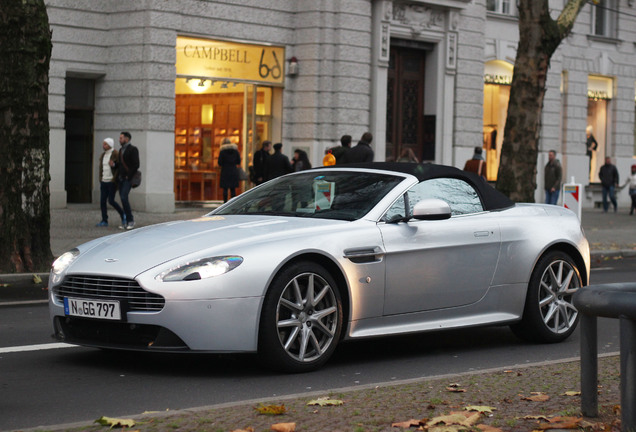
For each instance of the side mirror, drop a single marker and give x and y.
(431, 209)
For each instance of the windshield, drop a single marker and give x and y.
(344, 195)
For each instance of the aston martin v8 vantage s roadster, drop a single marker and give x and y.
(296, 265)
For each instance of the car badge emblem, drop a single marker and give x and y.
(111, 260)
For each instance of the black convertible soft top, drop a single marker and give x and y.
(491, 198)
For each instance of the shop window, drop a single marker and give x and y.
(206, 115)
(599, 98)
(497, 79)
(604, 18)
(503, 7)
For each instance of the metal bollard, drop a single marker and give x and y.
(610, 301)
(589, 366)
(628, 369)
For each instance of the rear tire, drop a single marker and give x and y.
(549, 314)
(301, 319)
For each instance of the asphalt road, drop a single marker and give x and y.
(63, 385)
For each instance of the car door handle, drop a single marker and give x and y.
(482, 233)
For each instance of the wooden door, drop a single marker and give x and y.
(406, 126)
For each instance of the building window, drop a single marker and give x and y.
(599, 98)
(497, 80)
(604, 16)
(504, 7)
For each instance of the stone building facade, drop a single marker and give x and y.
(426, 76)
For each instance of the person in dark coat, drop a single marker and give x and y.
(362, 152)
(278, 164)
(339, 151)
(259, 162)
(609, 180)
(229, 159)
(127, 166)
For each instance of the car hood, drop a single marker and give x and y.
(133, 252)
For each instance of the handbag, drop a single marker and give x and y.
(136, 179)
(242, 174)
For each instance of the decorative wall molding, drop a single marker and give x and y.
(419, 18)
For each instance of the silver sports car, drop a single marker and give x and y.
(296, 265)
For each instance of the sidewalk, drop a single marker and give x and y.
(609, 234)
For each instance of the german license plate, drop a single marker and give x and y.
(101, 309)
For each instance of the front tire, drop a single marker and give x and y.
(301, 320)
(549, 314)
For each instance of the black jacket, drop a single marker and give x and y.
(260, 160)
(608, 175)
(361, 153)
(277, 165)
(128, 162)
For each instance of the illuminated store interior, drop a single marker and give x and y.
(218, 101)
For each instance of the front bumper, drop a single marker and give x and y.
(216, 325)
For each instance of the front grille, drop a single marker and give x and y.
(126, 291)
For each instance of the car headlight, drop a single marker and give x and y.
(62, 262)
(201, 269)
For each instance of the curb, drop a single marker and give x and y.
(20, 287)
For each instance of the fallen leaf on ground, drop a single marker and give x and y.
(462, 418)
(407, 424)
(325, 402)
(271, 409)
(536, 397)
(284, 427)
(572, 393)
(561, 423)
(115, 422)
(481, 409)
(536, 417)
(37, 279)
(455, 390)
(446, 420)
(247, 429)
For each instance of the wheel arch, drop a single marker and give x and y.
(334, 270)
(571, 251)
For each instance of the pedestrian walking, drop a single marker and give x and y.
(108, 181)
(609, 180)
(631, 182)
(552, 176)
(127, 167)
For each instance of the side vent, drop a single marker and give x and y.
(364, 255)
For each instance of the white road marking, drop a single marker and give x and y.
(39, 347)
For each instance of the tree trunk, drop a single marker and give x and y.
(25, 51)
(539, 37)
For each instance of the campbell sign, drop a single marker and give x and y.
(230, 60)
